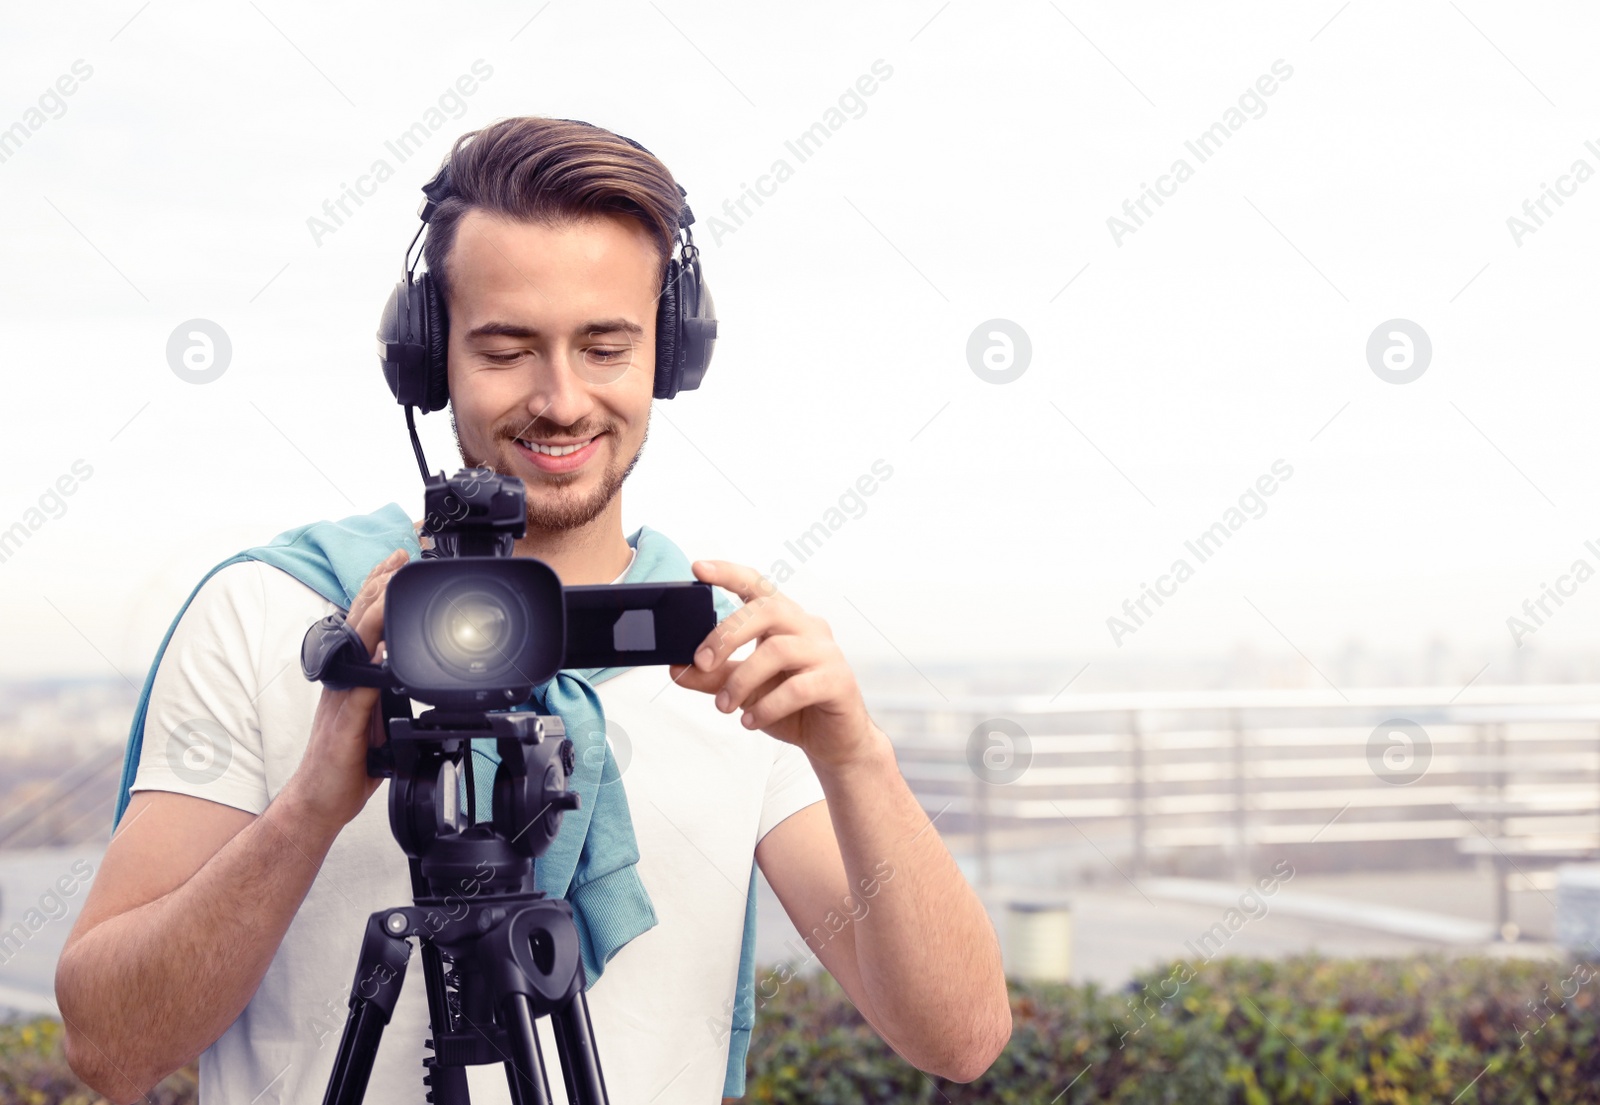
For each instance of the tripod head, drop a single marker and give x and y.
(530, 794)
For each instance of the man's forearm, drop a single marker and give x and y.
(927, 953)
(143, 993)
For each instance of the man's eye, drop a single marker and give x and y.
(502, 358)
(609, 356)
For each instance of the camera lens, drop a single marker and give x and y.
(471, 628)
(476, 624)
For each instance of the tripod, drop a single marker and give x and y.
(496, 953)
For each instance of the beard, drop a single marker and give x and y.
(561, 507)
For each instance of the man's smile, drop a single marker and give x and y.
(558, 454)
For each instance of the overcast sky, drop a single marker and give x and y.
(1176, 357)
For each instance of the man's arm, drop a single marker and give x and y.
(193, 897)
(877, 895)
(181, 922)
(924, 964)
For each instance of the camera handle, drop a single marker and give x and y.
(333, 654)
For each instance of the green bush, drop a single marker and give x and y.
(1312, 1030)
(1307, 1030)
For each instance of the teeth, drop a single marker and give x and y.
(554, 451)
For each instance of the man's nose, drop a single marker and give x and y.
(560, 394)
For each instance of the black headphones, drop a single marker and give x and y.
(414, 327)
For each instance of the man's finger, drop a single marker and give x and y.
(376, 580)
(366, 612)
(708, 681)
(742, 580)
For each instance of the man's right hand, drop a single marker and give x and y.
(331, 784)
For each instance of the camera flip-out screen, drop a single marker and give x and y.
(637, 624)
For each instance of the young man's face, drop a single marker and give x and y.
(552, 343)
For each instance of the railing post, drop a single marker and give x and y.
(1502, 868)
(1480, 735)
(1137, 785)
(1500, 772)
(1241, 828)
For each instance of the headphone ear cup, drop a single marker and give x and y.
(392, 354)
(698, 333)
(667, 343)
(435, 343)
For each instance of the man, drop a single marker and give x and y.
(228, 910)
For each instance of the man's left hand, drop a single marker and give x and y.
(795, 685)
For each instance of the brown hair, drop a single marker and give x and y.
(551, 171)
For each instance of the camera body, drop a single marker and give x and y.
(473, 627)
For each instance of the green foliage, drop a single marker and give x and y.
(1307, 1030)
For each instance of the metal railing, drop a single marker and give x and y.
(1508, 773)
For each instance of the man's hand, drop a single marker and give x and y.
(795, 686)
(332, 781)
(924, 966)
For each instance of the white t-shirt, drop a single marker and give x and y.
(701, 789)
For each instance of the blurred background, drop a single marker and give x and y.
(1222, 375)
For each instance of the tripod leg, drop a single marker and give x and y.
(352, 1067)
(448, 1085)
(525, 1068)
(580, 1062)
(379, 974)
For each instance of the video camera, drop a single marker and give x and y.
(470, 626)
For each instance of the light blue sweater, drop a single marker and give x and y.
(593, 861)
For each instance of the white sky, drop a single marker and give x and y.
(1223, 335)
